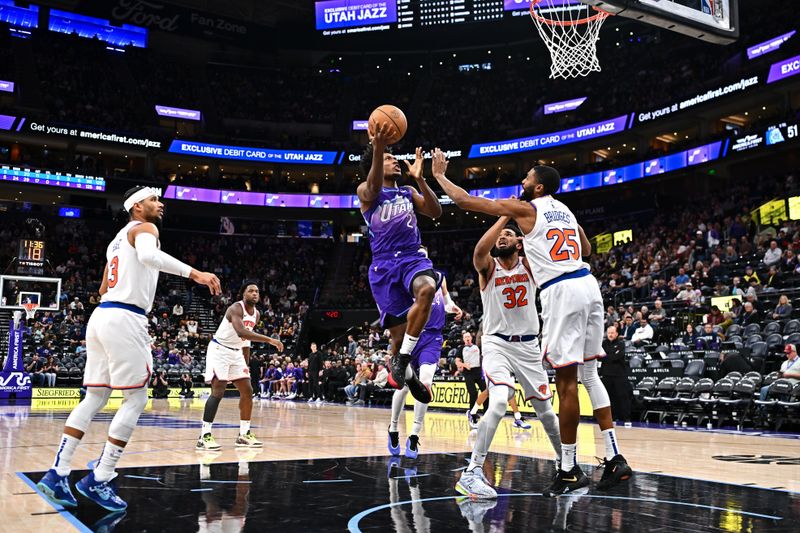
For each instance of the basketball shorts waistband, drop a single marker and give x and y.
(128, 307)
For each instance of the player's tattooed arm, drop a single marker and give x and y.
(426, 203)
(513, 208)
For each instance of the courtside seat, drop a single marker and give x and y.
(770, 378)
(657, 401)
(737, 407)
(683, 391)
(695, 368)
(734, 329)
(734, 376)
(752, 329)
(752, 339)
(755, 377)
(772, 327)
(759, 349)
(774, 341)
(794, 338)
(793, 326)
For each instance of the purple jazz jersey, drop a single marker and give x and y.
(395, 243)
(429, 347)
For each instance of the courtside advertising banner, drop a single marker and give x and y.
(13, 379)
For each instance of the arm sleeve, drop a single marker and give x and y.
(149, 254)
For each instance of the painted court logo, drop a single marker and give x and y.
(759, 459)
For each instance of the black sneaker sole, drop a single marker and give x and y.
(622, 474)
(398, 372)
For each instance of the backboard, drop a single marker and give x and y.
(715, 21)
(18, 290)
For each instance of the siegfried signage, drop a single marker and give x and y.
(170, 18)
(90, 135)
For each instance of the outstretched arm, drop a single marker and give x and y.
(510, 208)
(586, 246)
(426, 203)
(144, 237)
(449, 305)
(482, 256)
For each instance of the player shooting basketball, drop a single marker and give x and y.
(402, 278)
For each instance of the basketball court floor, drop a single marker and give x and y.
(326, 468)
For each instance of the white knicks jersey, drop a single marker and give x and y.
(228, 337)
(553, 246)
(508, 299)
(129, 280)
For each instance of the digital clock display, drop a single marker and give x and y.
(31, 252)
(334, 315)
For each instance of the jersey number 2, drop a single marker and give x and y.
(515, 297)
(113, 272)
(563, 236)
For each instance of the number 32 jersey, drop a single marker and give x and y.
(129, 280)
(553, 246)
(508, 299)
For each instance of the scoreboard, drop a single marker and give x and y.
(346, 17)
(30, 259)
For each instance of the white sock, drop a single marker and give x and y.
(517, 416)
(409, 343)
(398, 405)
(206, 428)
(104, 470)
(244, 426)
(475, 409)
(568, 456)
(610, 436)
(66, 448)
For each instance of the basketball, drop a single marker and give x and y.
(391, 114)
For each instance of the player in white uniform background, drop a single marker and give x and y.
(228, 359)
(118, 348)
(572, 310)
(510, 346)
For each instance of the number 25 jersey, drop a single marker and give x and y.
(553, 246)
(508, 299)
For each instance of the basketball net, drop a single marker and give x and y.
(30, 310)
(570, 30)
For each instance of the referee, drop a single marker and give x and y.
(468, 363)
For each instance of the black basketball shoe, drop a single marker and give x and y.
(565, 482)
(615, 471)
(397, 368)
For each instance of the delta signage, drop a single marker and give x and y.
(352, 13)
(563, 107)
(713, 94)
(179, 113)
(91, 135)
(249, 153)
(784, 69)
(550, 140)
(769, 46)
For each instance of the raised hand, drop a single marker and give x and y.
(415, 170)
(278, 345)
(383, 133)
(439, 163)
(208, 279)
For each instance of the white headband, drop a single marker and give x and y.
(140, 195)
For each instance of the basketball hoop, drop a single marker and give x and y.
(30, 310)
(570, 30)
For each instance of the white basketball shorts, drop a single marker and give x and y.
(573, 320)
(117, 350)
(225, 364)
(502, 360)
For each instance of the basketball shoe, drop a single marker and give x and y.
(57, 490)
(475, 485)
(564, 482)
(207, 443)
(412, 447)
(398, 365)
(394, 443)
(615, 470)
(520, 423)
(102, 493)
(420, 391)
(248, 440)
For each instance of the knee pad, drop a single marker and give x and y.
(587, 373)
(426, 373)
(125, 420)
(80, 417)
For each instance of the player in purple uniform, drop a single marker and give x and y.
(424, 360)
(402, 278)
